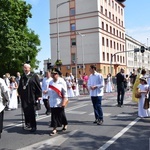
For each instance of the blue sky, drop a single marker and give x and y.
(137, 23)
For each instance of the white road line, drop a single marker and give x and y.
(113, 139)
(76, 112)
(55, 141)
(104, 114)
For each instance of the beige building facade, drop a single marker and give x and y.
(94, 34)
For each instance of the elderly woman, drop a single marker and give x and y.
(57, 99)
(4, 97)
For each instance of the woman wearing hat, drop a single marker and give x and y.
(57, 98)
(137, 82)
(143, 88)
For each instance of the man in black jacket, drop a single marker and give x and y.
(120, 87)
(30, 92)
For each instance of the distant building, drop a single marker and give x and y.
(88, 35)
(138, 59)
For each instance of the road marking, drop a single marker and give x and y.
(104, 114)
(76, 112)
(55, 141)
(113, 139)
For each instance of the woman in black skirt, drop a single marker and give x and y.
(57, 99)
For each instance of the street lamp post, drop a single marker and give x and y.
(82, 46)
(57, 14)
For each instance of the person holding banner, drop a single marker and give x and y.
(58, 99)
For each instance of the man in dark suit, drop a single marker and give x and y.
(120, 78)
(30, 92)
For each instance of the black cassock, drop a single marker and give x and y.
(29, 90)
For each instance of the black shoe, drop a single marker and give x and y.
(33, 129)
(48, 113)
(100, 122)
(53, 132)
(119, 105)
(27, 127)
(64, 128)
(95, 121)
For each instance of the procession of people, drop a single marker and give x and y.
(53, 90)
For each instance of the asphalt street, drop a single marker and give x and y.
(122, 128)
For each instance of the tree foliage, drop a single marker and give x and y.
(17, 41)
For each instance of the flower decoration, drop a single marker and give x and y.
(58, 62)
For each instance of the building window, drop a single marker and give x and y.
(114, 31)
(116, 7)
(122, 23)
(107, 43)
(107, 27)
(73, 27)
(103, 25)
(110, 43)
(107, 56)
(113, 17)
(103, 41)
(106, 12)
(118, 58)
(122, 35)
(120, 47)
(109, 15)
(115, 58)
(117, 32)
(104, 70)
(73, 42)
(103, 56)
(114, 45)
(121, 11)
(72, 11)
(123, 48)
(117, 46)
(73, 58)
(110, 29)
(102, 9)
(112, 4)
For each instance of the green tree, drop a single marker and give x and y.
(17, 41)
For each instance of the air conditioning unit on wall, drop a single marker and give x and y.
(79, 67)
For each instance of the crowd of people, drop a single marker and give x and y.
(54, 90)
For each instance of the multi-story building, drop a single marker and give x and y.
(136, 59)
(85, 32)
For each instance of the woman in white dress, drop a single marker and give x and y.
(13, 104)
(143, 88)
(109, 83)
(69, 88)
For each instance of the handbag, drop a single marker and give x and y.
(146, 103)
(137, 94)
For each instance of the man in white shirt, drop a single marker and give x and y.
(96, 88)
(45, 87)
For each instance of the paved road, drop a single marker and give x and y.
(121, 130)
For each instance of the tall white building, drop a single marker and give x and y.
(85, 32)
